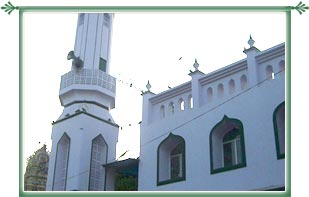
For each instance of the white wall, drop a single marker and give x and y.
(81, 129)
(254, 107)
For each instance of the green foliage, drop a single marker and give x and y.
(125, 183)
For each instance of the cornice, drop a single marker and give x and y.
(171, 93)
(270, 53)
(224, 72)
(86, 113)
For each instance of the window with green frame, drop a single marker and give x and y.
(227, 146)
(102, 65)
(279, 130)
(171, 160)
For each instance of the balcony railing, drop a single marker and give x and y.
(88, 77)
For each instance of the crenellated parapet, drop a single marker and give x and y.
(212, 89)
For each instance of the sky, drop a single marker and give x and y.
(159, 47)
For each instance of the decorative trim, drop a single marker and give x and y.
(183, 178)
(253, 48)
(157, 8)
(145, 92)
(300, 8)
(9, 7)
(89, 102)
(276, 131)
(196, 72)
(224, 72)
(271, 53)
(171, 93)
(242, 140)
(86, 113)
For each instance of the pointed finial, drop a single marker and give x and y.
(251, 41)
(148, 86)
(196, 65)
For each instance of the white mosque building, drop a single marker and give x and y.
(221, 131)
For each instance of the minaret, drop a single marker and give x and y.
(84, 137)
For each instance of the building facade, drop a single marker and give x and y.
(222, 131)
(84, 137)
(36, 171)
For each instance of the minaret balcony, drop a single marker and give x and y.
(88, 77)
(76, 84)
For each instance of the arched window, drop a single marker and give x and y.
(190, 101)
(243, 82)
(209, 94)
(181, 104)
(279, 128)
(220, 90)
(269, 72)
(227, 146)
(61, 164)
(231, 86)
(171, 160)
(282, 65)
(98, 158)
(162, 111)
(171, 108)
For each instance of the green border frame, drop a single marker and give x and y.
(279, 155)
(183, 178)
(285, 9)
(243, 147)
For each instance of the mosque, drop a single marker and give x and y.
(221, 131)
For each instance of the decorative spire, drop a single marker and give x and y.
(252, 48)
(43, 148)
(196, 65)
(148, 86)
(251, 41)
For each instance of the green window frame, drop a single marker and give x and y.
(227, 146)
(102, 64)
(279, 130)
(171, 166)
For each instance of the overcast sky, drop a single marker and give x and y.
(159, 47)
